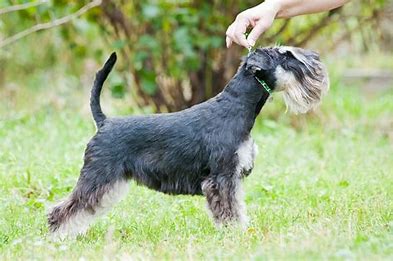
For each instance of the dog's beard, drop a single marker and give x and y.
(302, 96)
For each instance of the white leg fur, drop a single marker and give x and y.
(243, 218)
(246, 153)
(80, 222)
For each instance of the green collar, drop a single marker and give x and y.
(262, 82)
(264, 85)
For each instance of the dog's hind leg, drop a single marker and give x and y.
(224, 200)
(98, 189)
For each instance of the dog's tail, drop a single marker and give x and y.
(101, 76)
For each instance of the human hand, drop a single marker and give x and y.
(260, 18)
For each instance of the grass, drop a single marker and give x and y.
(322, 187)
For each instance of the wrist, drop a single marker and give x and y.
(275, 6)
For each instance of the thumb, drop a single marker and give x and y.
(259, 28)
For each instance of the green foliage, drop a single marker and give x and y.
(171, 48)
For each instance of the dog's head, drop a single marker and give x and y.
(297, 72)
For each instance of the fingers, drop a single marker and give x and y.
(236, 32)
(229, 35)
(259, 17)
(228, 41)
(258, 29)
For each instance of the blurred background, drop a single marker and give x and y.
(323, 178)
(172, 53)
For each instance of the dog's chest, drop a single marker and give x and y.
(246, 154)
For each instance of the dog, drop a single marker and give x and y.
(203, 150)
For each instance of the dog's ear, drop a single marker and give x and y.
(306, 57)
(257, 62)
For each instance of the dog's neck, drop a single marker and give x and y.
(245, 88)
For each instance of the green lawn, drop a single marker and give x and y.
(322, 187)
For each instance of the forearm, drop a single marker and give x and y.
(291, 8)
(261, 17)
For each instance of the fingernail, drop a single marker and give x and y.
(251, 42)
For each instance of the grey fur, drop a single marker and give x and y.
(303, 81)
(195, 151)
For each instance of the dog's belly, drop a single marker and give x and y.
(180, 175)
(170, 174)
(246, 154)
(175, 185)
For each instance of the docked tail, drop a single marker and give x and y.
(101, 76)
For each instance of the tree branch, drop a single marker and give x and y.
(14, 8)
(308, 33)
(54, 23)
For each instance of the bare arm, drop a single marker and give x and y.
(261, 17)
(291, 8)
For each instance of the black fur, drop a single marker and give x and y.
(193, 151)
(174, 152)
(101, 76)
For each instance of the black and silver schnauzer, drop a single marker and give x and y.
(204, 150)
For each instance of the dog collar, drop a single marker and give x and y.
(262, 82)
(264, 85)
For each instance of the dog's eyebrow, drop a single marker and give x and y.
(301, 57)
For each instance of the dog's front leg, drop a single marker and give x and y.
(225, 199)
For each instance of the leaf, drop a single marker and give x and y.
(183, 41)
(118, 91)
(150, 11)
(216, 42)
(148, 82)
(117, 85)
(139, 58)
(148, 42)
(119, 44)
